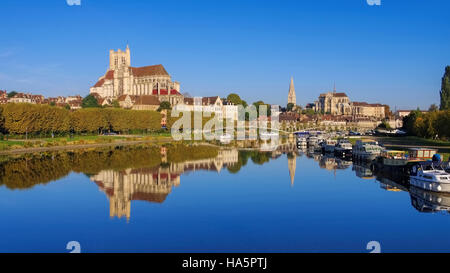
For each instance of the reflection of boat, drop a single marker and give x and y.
(362, 170)
(343, 164)
(343, 148)
(313, 141)
(226, 138)
(267, 135)
(366, 149)
(392, 185)
(302, 143)
(426, 201)
(430, 176)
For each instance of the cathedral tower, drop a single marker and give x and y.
(119, 59)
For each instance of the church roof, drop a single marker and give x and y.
(147, 100)
(100, 83)
(152, 70)
(109, 75)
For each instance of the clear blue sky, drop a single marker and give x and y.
(394, 53)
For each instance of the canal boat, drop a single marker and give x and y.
(366, 150)
(430, 176)
(343, 148)
(421, 153)
(329, 145)
(302, 143)
(313, 141)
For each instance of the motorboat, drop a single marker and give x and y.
(366, 150)
(313, 141)
(329, 145)
(302, 143)
(430, 176)
(343, 148)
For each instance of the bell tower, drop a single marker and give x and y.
(119, 59)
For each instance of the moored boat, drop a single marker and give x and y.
(430, 176)
(329, 145)
(366, 150)
(343, 148)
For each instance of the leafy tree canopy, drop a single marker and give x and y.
(12, 94)
(445, 90)
(90, 102)
(165, 105)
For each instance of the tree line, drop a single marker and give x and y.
(23, 118)
(435, 123)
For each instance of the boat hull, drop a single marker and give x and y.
(429, 186)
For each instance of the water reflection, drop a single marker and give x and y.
(154, 184)
(150, 173)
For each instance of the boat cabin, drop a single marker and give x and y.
(421, 153)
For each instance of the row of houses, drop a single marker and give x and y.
(74, 102)
(220, 106)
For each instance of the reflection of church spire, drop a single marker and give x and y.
(292, 164)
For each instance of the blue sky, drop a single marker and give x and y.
(394, 53)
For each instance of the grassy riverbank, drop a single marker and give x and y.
(14, 144)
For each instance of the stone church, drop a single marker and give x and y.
(121, 79)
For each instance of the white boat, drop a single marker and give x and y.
(302, 143)
(313, 141)
(431, 177)
(366, 149)
(267, 135)
(343, 148)
(329, 145)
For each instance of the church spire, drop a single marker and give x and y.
(291, 96)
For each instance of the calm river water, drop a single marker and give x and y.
(178, 199)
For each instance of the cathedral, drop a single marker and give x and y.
(121, 79)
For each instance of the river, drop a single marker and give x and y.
(203, 199)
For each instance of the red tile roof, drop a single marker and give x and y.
(147, 100)
(100, 83)
(109, 75)
(152, 70)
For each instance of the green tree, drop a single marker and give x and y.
(12, 94)
(289, 107)
(260, 103)
(165, 105)
(433, 108)
(90, 102)
(445, 90)
(115, 104)
(234, 99)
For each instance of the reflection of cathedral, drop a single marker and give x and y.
(153, 184)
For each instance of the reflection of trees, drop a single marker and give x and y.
(22, 173)
(27, 171)
(257, 157)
